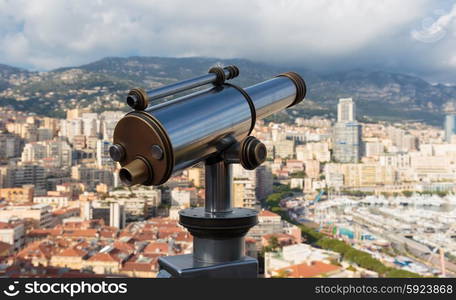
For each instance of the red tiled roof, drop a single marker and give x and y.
(44, 232)
(81, 233)
(184, 237)
(72, 252)
(314, 269)
(145, 236)
(38, 249)
(114, 255)
(267, 213)
(141, 264)
(5, 225)
(103, 257)
(124, 246)
(156, 247)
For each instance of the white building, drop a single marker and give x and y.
(296, 254)
(182, 197)
(12, 233)
(39, 213)
(346, 110)
(55, 201)
(116, 215)
(103, 158)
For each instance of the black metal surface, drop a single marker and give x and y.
(183, 266)
(117, 152)
(218, 226)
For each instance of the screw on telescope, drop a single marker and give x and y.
(156, 152)
(117, 152)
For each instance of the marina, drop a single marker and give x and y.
(415, 233)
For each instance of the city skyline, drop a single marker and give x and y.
(400, 162)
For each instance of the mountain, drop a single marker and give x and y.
(103, 85)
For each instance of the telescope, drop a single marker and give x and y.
(211, 125)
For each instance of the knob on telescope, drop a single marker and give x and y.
(253, 153)
(139, 99)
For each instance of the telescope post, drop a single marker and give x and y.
(218, 232)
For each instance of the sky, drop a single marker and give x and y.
(409, 36)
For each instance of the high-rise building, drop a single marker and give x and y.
(346, 111)
(347, 142)
(347, 133)
(10, 145)
(450, 127)
(264, 181)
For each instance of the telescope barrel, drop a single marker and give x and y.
(194, 127)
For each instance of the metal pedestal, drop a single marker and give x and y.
(218, 234)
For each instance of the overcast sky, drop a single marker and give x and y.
(411, 36)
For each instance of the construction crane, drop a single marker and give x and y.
(441, 250)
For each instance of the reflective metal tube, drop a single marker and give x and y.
(197, 124)
(218, 187)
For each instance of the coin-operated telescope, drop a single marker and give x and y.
(212, 125)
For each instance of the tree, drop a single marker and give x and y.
(407, 193)
(274, 243)
(282, 274)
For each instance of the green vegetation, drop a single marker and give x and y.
(356, 193)
(298, 174)
(317, 239)
(407, 193)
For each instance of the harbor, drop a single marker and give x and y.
(415, 233)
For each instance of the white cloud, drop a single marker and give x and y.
(53, 33)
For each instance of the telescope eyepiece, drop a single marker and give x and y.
(136, 172)
(137, 99)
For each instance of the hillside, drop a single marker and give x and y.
(103, 85)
